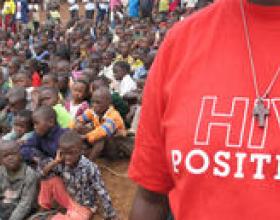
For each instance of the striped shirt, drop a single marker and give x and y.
(111, 123)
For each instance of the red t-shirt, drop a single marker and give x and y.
(197, 138)
(36, 79)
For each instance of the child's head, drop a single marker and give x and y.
(23, 122)
(63, 66)
(14, 66)
(124, 48)
(99, 82)
(10, 155)
(17, 99)
(102, 100)
(120, 69)
(79, 90)
(22, 79)
(70, 147)
(50, 80)
(44, 119)
(95, 60)
(145, 43)
(48, 96)
(103, 43)
(88, 75)
(107, 57)
(139, 54)
(63, 81)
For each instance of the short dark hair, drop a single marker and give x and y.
(16, 62)
(27, 115)
(45, 112)
(53, 76)
(8, 145)
(52, 90)
(18, 93)
(70, 136)
(124, 65)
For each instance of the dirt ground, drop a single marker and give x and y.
(121, 189)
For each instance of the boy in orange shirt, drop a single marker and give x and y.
(100, 123)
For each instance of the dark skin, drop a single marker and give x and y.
(107, 59)
(101, 101)
(124, 49)
(21, 80)
(10, 156)
(48, 81)
(42, 125)
(151, 205)
(69, 154)
(46, 97)
(16, 104)
(21, 126)
(78, 92)
(63, 84)
(119, 72)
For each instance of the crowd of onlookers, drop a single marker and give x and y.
(70, 92)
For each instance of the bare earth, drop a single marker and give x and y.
(121, 189)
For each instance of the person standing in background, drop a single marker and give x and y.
(22, 16)
(8, 12)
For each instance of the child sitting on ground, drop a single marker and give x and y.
(72, 170)
(8, 12)
(107, 59)
(22, 128)
(23, 79)
(17, 101)
(43, 143)
(77, 104)
(49, 96)
(105, 122)
(124, 83)
(18, 183)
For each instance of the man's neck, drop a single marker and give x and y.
(266, 2)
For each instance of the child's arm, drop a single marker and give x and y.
(99, 187)
(28, 196)
(29, 150)
(107, 129)
(52, 164)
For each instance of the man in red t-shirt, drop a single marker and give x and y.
(209, 131)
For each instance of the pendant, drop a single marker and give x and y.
(261, 112)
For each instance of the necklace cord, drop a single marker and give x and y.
(251, 58)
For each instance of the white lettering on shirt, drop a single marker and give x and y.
(210, 117)
(222, 164)
(201, 154)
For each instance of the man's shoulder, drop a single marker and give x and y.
(203, 20)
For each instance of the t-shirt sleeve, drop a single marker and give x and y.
(148, 165)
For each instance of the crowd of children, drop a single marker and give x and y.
(69, 93)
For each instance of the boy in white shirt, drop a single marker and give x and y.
(124, 83)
